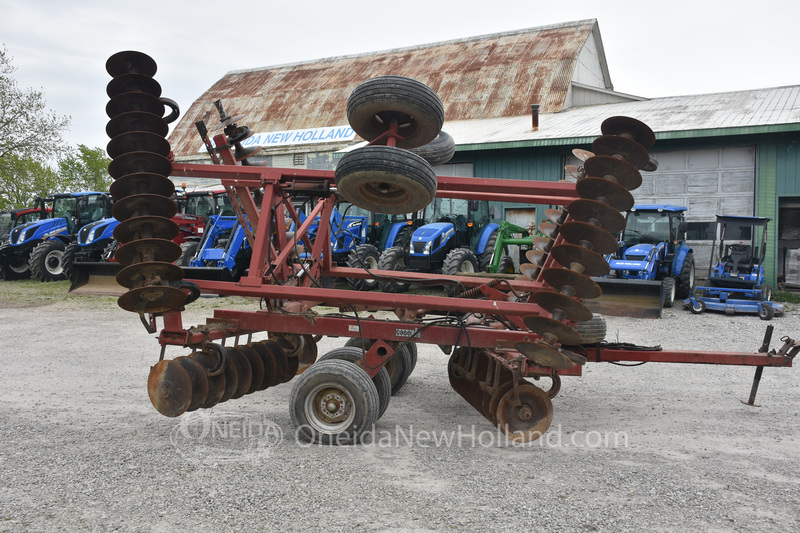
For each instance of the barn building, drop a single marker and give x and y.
(516, 104)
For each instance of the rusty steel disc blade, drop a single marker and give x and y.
(589, 236)
(580, 259)
(141, 205)
(136, 121)
(622, 147)
(152, 273)
(133, 82)
(130, 61)
(137, 141)
(575, 171)
(631, 128)
(268, 361)
(537, 257)
(216, 384)
(525, 414)
(583, 155)
(544, 325)
(231, 380)
(244, 153)
(605, 191)
(134, 162)
(494, 399)
(597, 213)
(244, 372)
(549, 229)
(556, 216)
(529, 270)
(544, 355)
(543, 243)
(652, 165)
(574, 357)
(169, 388)
(141, 183)
(282, 374)
(198, 379)
(611, 168)
(228, 121)
(307, 355)
(256, 367)
(571, 283)
(148, 227)
(147, 250)
(153, 299)
(127, 102)
(571, 308)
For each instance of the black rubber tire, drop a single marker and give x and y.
(697, 308)
(68, 260)
(668, 285)
(385, 179)
(364, 256)
(403, 239)
(684, 281)
(593, 330)
(339, 378)
(47, 261)
(398, 367)
(188, 249)
(766, 312)
(458, 261)
(374, 103)
(381, 380)
(506, 265)
(14, 266)
(439, 151)
(393, 259)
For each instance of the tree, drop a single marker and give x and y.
(86, 170)
(22, 180)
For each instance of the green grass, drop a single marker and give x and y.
(785, 296)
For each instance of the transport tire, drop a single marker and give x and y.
(439, 151)
(399, 366)
(381, 380)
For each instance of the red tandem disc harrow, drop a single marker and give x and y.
(501, 330)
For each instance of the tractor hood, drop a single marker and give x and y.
(430, 237)
(95, 231)
(38, 229)
(639, 252)
(636, 258)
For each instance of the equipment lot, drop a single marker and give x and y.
(659, 447)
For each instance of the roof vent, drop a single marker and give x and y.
(535, 116)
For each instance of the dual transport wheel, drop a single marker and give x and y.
(403, 114)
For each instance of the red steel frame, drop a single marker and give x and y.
(272, 276)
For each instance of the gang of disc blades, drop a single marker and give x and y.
(127, 102)
(529, 270)
(573, 309)
(133, 82)
(593, 263)
(601, 241)
(544, 355)
(583, 286)
(543, 325)
(605, 191)
(586, 210)
(618, 146)
(137, 141)
(583, 155)
(556, 216)
(605, 166)
(146, 227)
(549, 229)
(629, 127)
(141, 183)
(147, 250)
(152, 299)
(151, 273)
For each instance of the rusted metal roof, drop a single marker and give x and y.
(482, 77)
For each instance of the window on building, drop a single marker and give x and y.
(701, 231)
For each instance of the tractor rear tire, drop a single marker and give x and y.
(668, 284)
(15, 268)
(684, 281)
(403, 238)
(485, 258)
(376, 102)
(385, 179)
(47, 261)
(70, 252)
(333, 402)
(381, 380)
(506, 265)
(460, 260)
(393, 259)
(365, 256)
(439, 151)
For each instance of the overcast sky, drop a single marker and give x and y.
(653, 48)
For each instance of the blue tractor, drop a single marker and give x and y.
(460, 241)
(736, 281)
(223, 253)
(653, 264)
(37, 248)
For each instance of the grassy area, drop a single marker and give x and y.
(786, 296)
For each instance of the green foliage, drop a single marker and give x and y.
(86, 170)
(786, 296)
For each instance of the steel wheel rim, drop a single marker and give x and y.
(55, 262)
(329, 409)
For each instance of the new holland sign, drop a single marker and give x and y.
(306, 136)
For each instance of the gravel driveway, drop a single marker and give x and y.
(657, 447)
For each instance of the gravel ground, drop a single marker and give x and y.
(658, 447)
